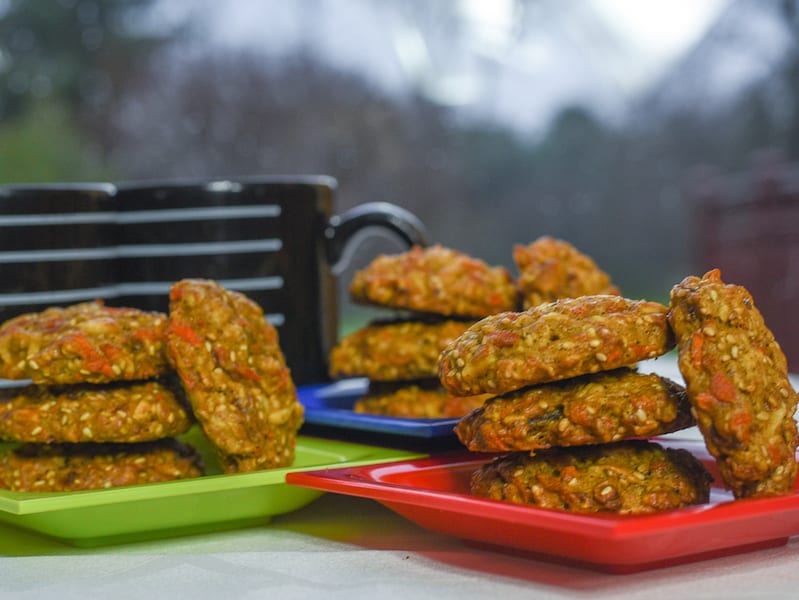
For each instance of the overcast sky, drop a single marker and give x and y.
(481, 56)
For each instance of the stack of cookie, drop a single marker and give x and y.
(568, 403)
(100, 411)
(443, 292)
(565, 396)
(112, 387)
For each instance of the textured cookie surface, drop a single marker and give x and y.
(235, 375)
(418, 400)
(592, 409)
(127, 412)
(737, 381)
(83, 343)
(435, 280)
(554, 341)
(398, 351)
(72, 467)
(551, 269)
(633, 477)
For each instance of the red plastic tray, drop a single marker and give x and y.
(434, 493)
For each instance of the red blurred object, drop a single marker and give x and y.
(749, 228)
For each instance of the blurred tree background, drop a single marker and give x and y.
(63, 67)
(93, 90)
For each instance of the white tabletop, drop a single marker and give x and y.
(348, 547)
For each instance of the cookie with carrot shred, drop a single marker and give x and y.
(83, 343)
(235, 375)
(633, 477)
(737, 381)
(72, 467)
(593, 409)
(553, 341)
(394, 350)
(435, 280)
(550, 269)
(424, 399)
(126, 412)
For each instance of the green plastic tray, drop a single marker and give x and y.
(213, 502)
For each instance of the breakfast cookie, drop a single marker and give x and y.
(553, 341)
(123, 412)
(235, 375)
(83, 343)
(551, 269)
(435, 280)
(417, 400)
(460, 406)
(737, 381)
(591, 409)
(71, 467)
(394, 351)
(632, 477)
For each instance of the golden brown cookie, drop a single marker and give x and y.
(71, 467)
(737, 381)
(235, 375)
(394, 351)
(435, 280)
(592, 409)
(551, 269)
(415, 400)
(83, 343)
(633, 477)
(554, 341)
(123, 412)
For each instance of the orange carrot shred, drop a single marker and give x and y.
(186, 333)
(705, 401)
(697, 340)
(723, 388)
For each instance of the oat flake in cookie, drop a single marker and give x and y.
(737, 382)
(229, 360)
